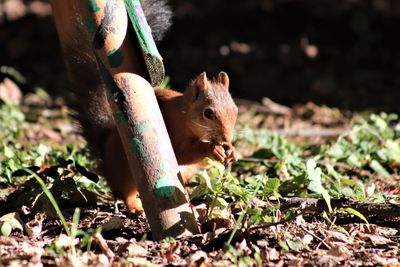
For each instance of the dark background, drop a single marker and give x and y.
(343, 53)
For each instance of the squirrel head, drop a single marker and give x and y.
(210, 109)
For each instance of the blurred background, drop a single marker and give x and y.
(342, 53)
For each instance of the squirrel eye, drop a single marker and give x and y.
(208, 113)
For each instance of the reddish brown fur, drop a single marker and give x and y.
(183, 115)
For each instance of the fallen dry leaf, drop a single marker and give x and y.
(383, 261)
(295, 262)
(135, 250)
(211, 236)
(335, 236)
(272, 254)
(340, 252)
(307, 239)
(376, 240)
(8, 241)
(198, 259)
(34, 227)
(10, 92)
(328, 260)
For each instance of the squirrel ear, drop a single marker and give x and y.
(223, 79)
(200, 84)
(201, 81)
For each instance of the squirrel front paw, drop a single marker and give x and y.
(224, 154)
(230, 154)
(218, 153)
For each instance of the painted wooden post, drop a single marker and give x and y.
(101, 27)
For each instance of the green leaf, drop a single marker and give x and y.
(207, 180)
(235, 189)
(370, 189)
(295, 244)
(285, 248)
(5, 228)
(271, 187)
(12, 220)
(377, 167)
(43, 150)
(393, 149)
(217, 169)
(354, 160)
(8, 152)
(165, 83)
(75, 223)
(326, 217)
(314, 175)
(199, 191)
(220, 202)
(355, 213)
(15, 224)
(337, 151)
(333, 172)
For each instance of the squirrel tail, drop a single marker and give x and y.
(158, 15)
(88, 102)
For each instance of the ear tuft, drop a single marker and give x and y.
(199, 86)
(201, 81)
(223, 79)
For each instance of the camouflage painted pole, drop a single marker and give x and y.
(123, 60)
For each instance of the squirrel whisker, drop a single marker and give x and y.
(203, 126)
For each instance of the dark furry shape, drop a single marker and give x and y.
(158, 15)
(89, 103)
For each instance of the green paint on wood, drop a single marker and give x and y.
(116, 31)
(119, 117)
(137, 146)
(115, 58)
(150, 53)
(165, 186)
(142, 127)
(90, 24)
(92, 5)
(164, 167)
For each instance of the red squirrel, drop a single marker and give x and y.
(200, 121)
(200, 124)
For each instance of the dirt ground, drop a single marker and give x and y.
(283, 54)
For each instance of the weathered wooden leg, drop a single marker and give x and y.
(99, 28)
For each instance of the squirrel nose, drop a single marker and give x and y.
(227, 136)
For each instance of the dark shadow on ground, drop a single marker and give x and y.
(338, 53)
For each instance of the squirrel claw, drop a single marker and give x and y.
(218, 154)
(230, 154)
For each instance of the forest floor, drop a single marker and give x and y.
(313, 186)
